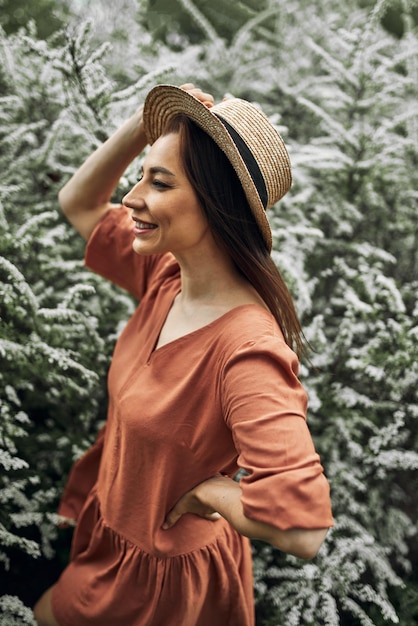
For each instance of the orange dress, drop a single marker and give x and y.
(223, 397)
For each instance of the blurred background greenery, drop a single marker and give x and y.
(340, 81)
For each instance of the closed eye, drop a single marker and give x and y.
(160, 185)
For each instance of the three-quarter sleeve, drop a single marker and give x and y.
(109, 253)
(265, 406)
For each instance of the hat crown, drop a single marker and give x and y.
(263, 141)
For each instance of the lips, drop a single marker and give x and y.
(141, 225)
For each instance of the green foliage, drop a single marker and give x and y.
(167, 19)
(353, 222)
(58, 322)
(399, 15)
(14, 613)
(345, 238)
(48, 15)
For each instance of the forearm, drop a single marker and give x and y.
(88, 193)
(224, 496)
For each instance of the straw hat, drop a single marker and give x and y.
(247, 137)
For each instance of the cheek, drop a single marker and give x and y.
(197, 215)
(199, 228)
(194, 223)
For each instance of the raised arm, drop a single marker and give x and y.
(87, 195)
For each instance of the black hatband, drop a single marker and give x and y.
(249, 161)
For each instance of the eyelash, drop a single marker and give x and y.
(156, 183)
(160, 184)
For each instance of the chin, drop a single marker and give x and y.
(142, 250)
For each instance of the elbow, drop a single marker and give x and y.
(310, 543)
(304, 544)
(306, 551)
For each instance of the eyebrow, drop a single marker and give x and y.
(159, 170)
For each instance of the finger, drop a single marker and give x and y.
(171, 519)
(202, 96)
(206, 98)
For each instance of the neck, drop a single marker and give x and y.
(208, 277)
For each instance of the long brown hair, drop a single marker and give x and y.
(233, 225)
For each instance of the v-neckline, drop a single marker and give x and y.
(157, 350)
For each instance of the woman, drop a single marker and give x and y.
(203, 379)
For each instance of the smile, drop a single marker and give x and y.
(145, 225)
(140, 225)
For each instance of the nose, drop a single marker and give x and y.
(134, 199)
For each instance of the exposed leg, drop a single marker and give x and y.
(43, 610)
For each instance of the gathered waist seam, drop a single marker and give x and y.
(222, 524)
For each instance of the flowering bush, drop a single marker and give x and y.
(345, 238)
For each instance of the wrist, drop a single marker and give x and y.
(216, 492)
(137, 123)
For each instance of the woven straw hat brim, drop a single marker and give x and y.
(164, 102)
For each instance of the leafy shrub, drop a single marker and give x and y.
(345, 237)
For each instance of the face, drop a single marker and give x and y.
(165, 209)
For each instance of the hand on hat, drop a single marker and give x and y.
(206, 98)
